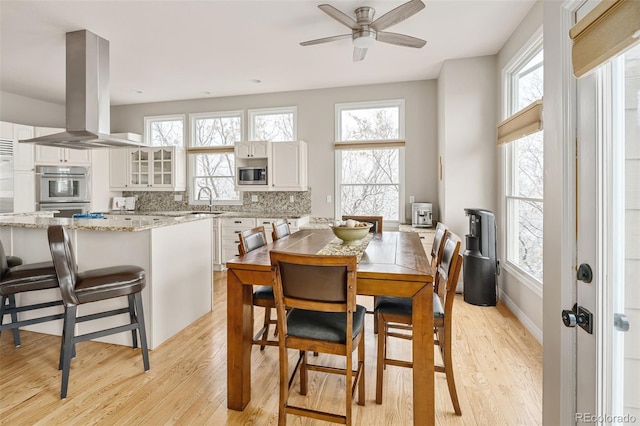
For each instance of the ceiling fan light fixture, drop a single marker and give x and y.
(364, 39)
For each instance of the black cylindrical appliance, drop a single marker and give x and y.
(480, 259)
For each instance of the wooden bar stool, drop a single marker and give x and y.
(92, 286)
(16, 278)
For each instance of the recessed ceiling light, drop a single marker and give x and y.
(136, 91)
(206, 92)
(255, 80)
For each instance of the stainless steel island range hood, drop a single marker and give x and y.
(87, 104)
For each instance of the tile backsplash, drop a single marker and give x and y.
(268, 202)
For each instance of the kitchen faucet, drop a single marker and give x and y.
(208, 190)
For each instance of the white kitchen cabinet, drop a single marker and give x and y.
(426, 236)
(252, 149)
(231, 228)
(23, 152)
(147, 169)
(24, 191)
(53, 155)
(289, 166)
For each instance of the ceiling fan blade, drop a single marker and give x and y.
(359, 53)
(325, 40)
(398, 14)
(339, 16)
(400, 39)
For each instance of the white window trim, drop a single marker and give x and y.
(338, 153)
(213, 150)
(251, 113)
(370, 105)
(221, 114)
(509, 103)
(150, 119)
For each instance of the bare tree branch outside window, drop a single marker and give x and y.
(526, 181)
(370, 177)
(216, 170)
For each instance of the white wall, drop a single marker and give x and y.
(466, 138)
(31, 112)
(523, 300)
(316, 117)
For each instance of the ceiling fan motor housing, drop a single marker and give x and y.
(364, 15)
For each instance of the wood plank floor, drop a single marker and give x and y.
(498, 367)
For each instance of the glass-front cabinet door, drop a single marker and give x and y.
(139, 167)
(162, 167)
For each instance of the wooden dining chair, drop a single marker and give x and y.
(252, 239)
(280, 229)
(441, 234)
(319, 293)
(398, 310)
(377, 227)
(375, 220)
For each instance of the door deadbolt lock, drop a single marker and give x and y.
(578, 316)
(585, 274)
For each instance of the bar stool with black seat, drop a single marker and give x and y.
(317, 312)
(280, 229)
(375, 220)
(93, 286)
(252, 239)
(393, 311)
(17, 278)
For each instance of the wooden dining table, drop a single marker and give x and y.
(393, 264)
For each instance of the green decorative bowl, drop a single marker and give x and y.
(351, 235)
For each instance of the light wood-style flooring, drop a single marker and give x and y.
(498, 367)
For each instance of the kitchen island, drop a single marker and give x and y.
(175, 252)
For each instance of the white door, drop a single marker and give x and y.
(608, 216)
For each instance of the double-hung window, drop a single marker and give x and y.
(521, 133)
(211, 157)
(370, 159)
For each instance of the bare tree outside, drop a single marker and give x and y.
(526, 182)
(216, 170)
(370, 177)
(273, 127)
(167, 133)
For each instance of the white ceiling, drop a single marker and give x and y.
(171, 50)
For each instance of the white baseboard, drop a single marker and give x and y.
(524, 319)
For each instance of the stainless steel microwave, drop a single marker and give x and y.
(252, 175)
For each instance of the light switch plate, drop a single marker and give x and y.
(292, 199)
(177, 197)
(254, 198)
(328, 198)
(412, 199)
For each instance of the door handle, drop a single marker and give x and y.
(585, 274)
(578, 316)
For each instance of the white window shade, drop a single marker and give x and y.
(611, 27)
(523, 123)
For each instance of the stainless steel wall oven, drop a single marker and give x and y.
(63, 188)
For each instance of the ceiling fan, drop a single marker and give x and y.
(365, 31)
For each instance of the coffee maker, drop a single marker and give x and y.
(421, 215)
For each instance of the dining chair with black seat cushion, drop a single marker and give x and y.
(441, 234)
(93, 286)
(250, 240)
(280, 229)
(398, 310)
(317, 312)
(375, 220)
(17, 278)
(377, 227)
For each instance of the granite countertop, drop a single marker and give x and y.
(125, 223)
